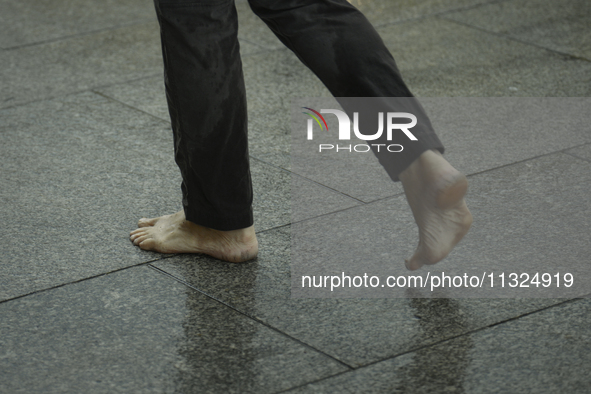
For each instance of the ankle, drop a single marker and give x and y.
(243, 235)
(424, 167)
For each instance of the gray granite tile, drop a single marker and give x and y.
(443, 58)
(560, 26)
(146, 94)
(484, 133)
(272, 81)
(76, 175)
(355, 331)
(29, 21)
(478, 133)
(80, 63)
(315, 199)
(546, 352)
(381, 12)
(529, 218)
(582, 152)
(271, 78)
(140, 331)
(252, 29)
(272, 202)
(274, 78)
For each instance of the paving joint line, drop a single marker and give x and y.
(435, 14)
(257, 45)
(130, 106)
(562, 151)
(81, 34)
(565, 151)
(412, 350)
(577, 157)
(82, 280)
(254, 318)
(274, 228)
(308, 179)
(521, 161)
(515, 39)
(91, 90)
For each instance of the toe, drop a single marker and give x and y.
(148, 244)
(138, 240)
(137, 231)
(145, 222)
(136, 234)
(413, 264)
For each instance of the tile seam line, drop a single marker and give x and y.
(261, 47)
(89, 89)
(310, 180)
(412, 350)
(346, 209)
(110, 84)
(514, 39)
(82, 280)
(149, 20)
(274, 228)
(435, 14)
(577, 157)
(82, 34)
(156, 117)
(561, 151)
(253, 318)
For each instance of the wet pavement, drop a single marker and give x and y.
(86, 150)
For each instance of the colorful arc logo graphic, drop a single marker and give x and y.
(315, 118)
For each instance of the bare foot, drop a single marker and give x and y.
(174, 234)
(435, 192)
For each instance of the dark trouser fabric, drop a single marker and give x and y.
(206, 95)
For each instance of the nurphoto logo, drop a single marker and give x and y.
(345, 130)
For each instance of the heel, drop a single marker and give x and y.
(453, 193)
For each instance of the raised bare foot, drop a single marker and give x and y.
(435, 192)
(174, 234)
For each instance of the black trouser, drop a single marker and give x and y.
(206, 94)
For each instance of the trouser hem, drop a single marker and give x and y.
(235, 222)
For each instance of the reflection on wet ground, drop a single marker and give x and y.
(441, 368)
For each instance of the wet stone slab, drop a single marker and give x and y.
(441, 58)
(140, 331)
(478, 134)
(76, 178)
(29, 21)
(559, 26)
(517, 210)
(354, 331)
(384, 12)
(582, 152)
(545, 352)
(79, 63)
(145, 94)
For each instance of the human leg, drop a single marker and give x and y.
(341, 47)
(207, 105)
(338, 44)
